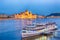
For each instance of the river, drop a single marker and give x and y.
(10, 29)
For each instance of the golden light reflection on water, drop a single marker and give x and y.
(39, 37)
(42, 38)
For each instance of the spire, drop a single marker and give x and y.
(30, 12)
(26, 11)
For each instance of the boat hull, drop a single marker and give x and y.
(44, 31)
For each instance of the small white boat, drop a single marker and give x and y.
(38, 29)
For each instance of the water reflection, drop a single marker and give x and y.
(26, 22)
(39, 37)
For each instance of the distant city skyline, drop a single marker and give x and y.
(40, 7)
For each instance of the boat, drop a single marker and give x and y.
(37, 29)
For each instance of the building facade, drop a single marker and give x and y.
(26, 15)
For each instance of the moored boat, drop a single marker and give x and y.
(38, 29)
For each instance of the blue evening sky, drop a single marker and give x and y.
(41, 7)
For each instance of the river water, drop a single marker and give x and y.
(10, 29)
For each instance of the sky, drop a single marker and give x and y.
(40, 7)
